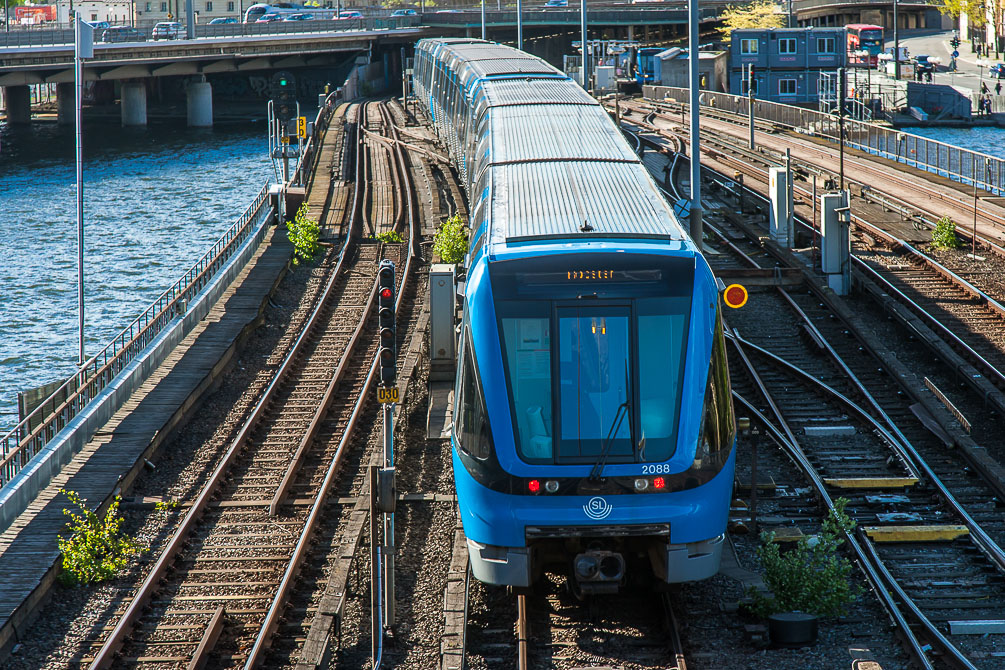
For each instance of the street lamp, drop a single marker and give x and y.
(586, 71)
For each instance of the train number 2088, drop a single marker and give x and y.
(656, 469)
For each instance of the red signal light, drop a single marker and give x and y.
(385, 293)
(659, 483)
(534, 486)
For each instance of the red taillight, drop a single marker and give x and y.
(385, 293)
(659, 483)
(533, 486)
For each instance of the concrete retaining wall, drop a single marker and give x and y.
(36, 475)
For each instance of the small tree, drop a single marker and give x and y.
(757, 14)
(812, 577)
(944, 235)
(304, 233)
(96, 549)
(451, 240)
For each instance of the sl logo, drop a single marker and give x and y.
(597, 508)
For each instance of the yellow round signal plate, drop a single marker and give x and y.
(735, 296)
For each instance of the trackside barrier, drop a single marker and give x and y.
(311, 153)
(35, 450)
(939, 158)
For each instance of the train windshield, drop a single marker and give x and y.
(597, 375)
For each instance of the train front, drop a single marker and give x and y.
(594, 432)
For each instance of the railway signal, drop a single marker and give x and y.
(385, 305)
(284, 97)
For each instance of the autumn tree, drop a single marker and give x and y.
(974, 10)
(757, 14)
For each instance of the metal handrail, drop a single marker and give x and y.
(943, 159)
(23, 442)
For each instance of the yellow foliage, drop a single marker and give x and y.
(757, 14)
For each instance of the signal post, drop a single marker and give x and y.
(387, 395)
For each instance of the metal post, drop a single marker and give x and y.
(376, 633)
(483, 19)
(788, 23)
(80, 52)
(790, 229)
(388, 554)
(6, 16)
(896, 44)
(692, 34)
(519, 24)
(973, 240)
(750, 103)
(841, 90)
(586, 60)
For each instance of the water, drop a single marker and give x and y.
(155, 200)
(986, 139)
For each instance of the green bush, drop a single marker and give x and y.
(451, 240)
(944, 235)
(96, 549)
(304, 233)
(389, 237)
(812, 577)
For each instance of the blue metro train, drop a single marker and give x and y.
(594, 429)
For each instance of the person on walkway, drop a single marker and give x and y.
(998, 88)
(984, 88)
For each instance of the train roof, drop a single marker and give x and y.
(577, 199)
(502, 92)
(523, 133)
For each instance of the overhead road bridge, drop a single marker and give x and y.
(912, 14)
(132, 63)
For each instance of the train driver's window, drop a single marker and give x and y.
(662, 332)
(527, 343)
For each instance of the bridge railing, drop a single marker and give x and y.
(40, 426)
(42, 37)
(956, 163)
(633, 15)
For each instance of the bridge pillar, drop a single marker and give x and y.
(17, 104)
(134, 103)
(200, 104)
(66, 103)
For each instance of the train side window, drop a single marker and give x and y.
(471, 427)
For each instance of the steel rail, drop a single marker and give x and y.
(106, 655)
(522, 641)
(673, 626)
(798, 456)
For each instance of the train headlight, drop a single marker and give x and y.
(641, 484)
(551, 486)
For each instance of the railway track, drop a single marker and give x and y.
(230, 574)
(963, 527)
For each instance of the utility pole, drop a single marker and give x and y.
(750, 103)
(692, 34)
(519, 24)
(483, 19)
(841, 90)
(586, 59)
(83, 47)
(896, 45)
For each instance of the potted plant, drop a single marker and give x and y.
(810, 580)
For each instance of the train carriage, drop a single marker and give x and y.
(594, 430)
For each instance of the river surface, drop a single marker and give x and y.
(155, 200)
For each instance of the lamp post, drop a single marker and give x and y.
(483, 19)
(83, 47)
(841, 94)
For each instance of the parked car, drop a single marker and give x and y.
(348, 15)
(99, 25)
(122, 34)
(448, 11)
(271, 17)
(997, 71)
(299, 16)
(556, 3)
(403, 12)
(223, 19)
(166, 30)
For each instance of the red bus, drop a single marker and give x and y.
(864, 37)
